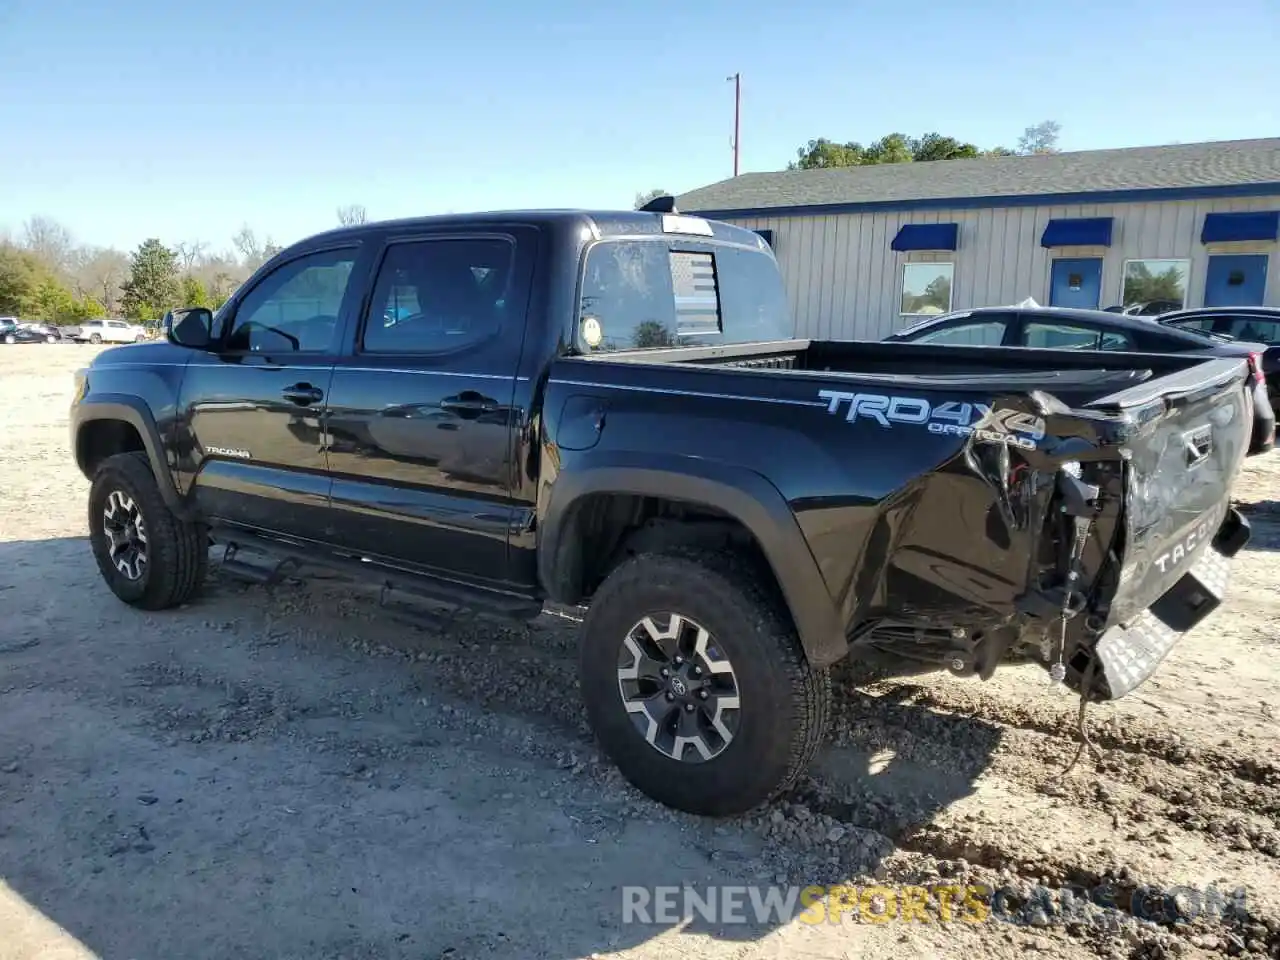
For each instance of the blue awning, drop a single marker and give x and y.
(927, 236)
(1225, 227)
(1077, 232)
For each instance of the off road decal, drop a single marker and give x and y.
(952, 418)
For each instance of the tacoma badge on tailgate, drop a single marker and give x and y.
(1011, 427)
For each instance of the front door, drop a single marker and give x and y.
(1238, 280)
(255, 407)
(421, 413)
(1076, 282)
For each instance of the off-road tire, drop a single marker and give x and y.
(177, 551)
(784, 701)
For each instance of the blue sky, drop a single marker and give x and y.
(184, 120)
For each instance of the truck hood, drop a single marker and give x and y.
(147, 352)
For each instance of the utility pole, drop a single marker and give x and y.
(736, 80)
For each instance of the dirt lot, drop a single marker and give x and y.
(295, 773)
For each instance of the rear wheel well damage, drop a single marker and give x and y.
(604, 530)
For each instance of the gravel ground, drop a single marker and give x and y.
(295, 772)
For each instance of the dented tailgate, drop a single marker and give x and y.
(1179, 529)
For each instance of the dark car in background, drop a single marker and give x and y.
(1061, 328)
(12, 332)
(1250, 324)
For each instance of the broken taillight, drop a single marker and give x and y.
(1255, 361)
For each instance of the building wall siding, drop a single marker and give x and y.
(845, 283)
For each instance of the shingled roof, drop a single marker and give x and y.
(1236, 166)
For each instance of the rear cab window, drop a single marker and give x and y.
(644, 294)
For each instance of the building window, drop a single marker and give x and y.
(1162, 282)
(926, 288)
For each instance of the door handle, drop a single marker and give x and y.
(302, 394)
(468, 403)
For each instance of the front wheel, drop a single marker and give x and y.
(139, 338)
(696, 685)
(95, 338)
(148, 557)
(10, 338)
(50, 338)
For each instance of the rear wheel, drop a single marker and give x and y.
(148, 557)
(696, 685)
(50, 338)
(10, 338)
(95, 338)
(139, 338)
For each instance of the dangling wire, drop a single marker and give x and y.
(1086, 742)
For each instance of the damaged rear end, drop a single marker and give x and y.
(1139, 532)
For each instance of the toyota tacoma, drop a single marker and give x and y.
(609, 411)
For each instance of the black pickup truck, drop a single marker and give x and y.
(607, 410)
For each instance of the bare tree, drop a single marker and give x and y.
(99, 274)
(253, 251)
(189, 253)
(1041, 138)
(50, 241)
(352, 214)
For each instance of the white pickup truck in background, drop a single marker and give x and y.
(107, 331)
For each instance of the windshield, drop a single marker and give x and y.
(668, 292)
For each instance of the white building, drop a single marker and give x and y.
(866, 250)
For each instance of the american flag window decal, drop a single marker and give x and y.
(693, 281)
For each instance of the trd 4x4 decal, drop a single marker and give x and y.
(952, 418)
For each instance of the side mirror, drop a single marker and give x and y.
(189, 327)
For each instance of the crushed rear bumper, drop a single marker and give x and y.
(1129, 653)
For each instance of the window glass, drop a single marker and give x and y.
(295, 307)
(643, 294)
(926, 288)
(1069, 336)
(434, 296)
(988, 334)
(1199, 324)
(1162, 282)
(1252, 329)
(1113, 340)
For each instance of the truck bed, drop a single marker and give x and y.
(951, 491)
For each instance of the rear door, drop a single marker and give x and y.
(255, 408)
(421, 409)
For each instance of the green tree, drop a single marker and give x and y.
(1143, 286)
(21, 274)
(650, 333)
(899, 148)
(152, 287)
(52, 301)
(894, 148)
(934, 146)
(84, 308)
(194, 294)
(822, 153)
